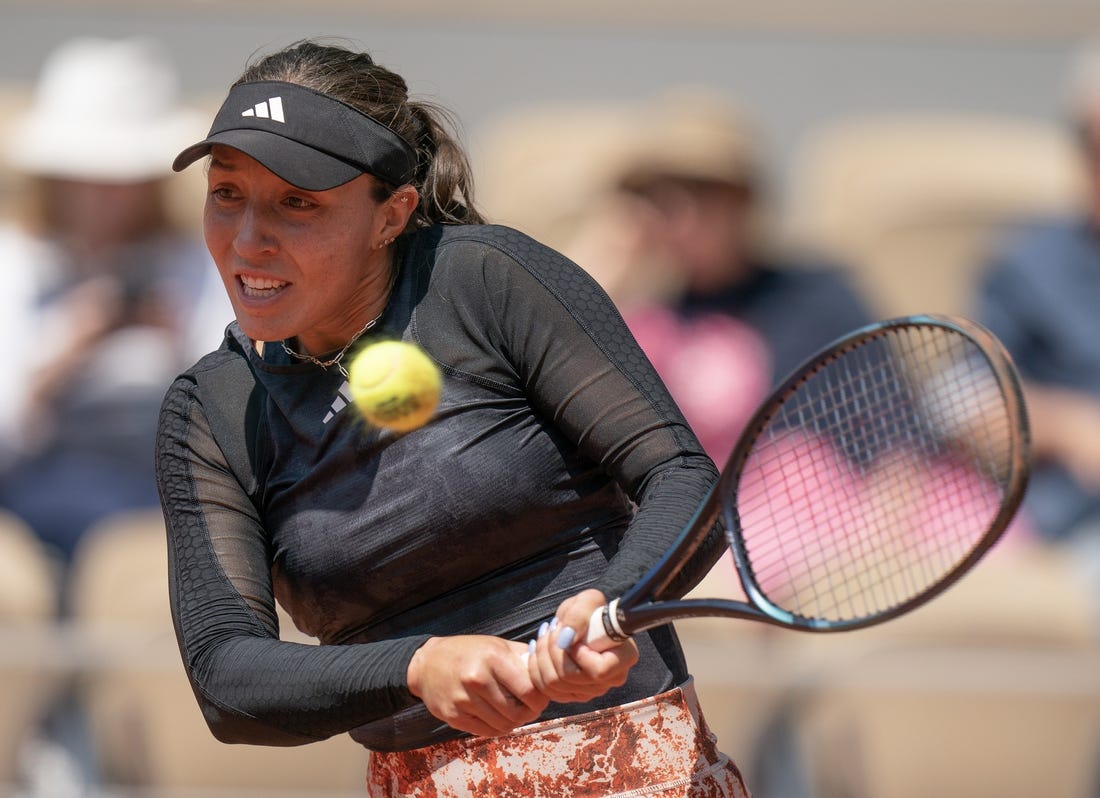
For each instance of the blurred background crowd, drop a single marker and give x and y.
(747, 185)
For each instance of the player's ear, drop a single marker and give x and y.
(398, 209)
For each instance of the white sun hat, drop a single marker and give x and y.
(104, 110)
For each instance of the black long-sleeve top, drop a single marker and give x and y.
(557, 461)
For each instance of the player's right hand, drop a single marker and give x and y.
(567, 670)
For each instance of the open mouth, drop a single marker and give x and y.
(261, 287)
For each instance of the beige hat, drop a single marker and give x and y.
(104, 110)
(693, 133)
(565, 156)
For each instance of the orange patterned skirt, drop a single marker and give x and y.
(659, 747)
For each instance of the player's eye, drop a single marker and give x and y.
(222, 193)
(298, 203)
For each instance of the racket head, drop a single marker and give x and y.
(877, 473)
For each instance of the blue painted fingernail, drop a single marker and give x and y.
(530, 646)
(554, 623)
(565, 639)
(544, 629)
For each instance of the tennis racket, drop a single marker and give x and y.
(871, 479)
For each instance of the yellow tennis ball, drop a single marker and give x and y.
(395, 385)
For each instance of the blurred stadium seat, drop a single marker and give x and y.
(957, 721)
(147, 727)
(28, 586)
(909, 200)
(30, 662)
(569, 155)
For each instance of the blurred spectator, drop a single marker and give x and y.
(1040, 293)
(730, 314)
(106, 297)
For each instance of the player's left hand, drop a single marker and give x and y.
(563, 668)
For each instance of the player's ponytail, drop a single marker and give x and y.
(444, 177)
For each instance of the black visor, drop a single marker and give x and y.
(309, 139)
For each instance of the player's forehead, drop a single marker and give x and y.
(224, 158)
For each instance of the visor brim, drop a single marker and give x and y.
(296, 163)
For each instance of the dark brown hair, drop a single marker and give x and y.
(444, 179)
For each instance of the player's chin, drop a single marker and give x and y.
(262, 326)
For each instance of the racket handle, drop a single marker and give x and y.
(604, 632)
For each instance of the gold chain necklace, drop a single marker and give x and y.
(335, 361)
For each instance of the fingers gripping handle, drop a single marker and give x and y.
(604, 631)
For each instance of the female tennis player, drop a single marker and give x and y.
(554, 474)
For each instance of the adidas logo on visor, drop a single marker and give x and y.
(269, 109)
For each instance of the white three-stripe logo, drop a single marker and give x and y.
(342, 400)
(269, 109)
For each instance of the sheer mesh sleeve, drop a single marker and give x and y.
(251, 686)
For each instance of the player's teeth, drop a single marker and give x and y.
(261, 283)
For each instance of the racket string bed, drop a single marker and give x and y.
(868, 482)
(845, 494)
(829, 414)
